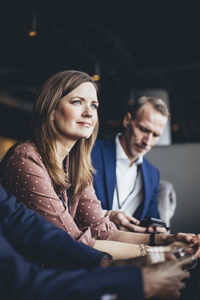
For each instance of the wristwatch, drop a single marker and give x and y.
(106, 260)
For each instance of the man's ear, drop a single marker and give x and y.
(127, 119)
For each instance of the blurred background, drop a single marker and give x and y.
(132, 48)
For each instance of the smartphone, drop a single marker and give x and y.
(148, 221)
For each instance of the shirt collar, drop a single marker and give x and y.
(120, 153)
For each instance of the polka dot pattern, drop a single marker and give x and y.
(27, 178)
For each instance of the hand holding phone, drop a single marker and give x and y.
(148, 221)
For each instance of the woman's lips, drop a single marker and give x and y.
(85, 124)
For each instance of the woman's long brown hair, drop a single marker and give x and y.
(44, 134)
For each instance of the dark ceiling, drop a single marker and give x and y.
(137, 44)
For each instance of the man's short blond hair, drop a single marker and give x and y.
(157, 103)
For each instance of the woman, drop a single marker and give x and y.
(52, 173)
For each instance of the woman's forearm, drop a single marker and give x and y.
(127, 244)
(140, 238)
(130, 237)
(118, 250)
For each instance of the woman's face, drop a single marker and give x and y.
(76, 115)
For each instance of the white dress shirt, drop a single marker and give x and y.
(128, 193)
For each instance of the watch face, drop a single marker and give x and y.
(107, 256)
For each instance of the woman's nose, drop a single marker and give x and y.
(87, 113)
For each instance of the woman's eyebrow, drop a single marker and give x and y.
(95, 101)
(82, 98)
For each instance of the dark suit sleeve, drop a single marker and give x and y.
(40, 241)
(22, 280)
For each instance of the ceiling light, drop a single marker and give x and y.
(96, 76)
(33, 31)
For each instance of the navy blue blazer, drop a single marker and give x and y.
(34, 254)
(104, 162)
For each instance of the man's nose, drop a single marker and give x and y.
(148, 138)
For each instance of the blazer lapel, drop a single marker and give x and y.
(147, 189)
(109, 156)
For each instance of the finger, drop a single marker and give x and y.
(136, 228)
(176, 295)
(186, 237)
(186, 260)
(161, 229)
(187, 234)
(150, 229)
(197, 251)
(170, 256)
(133, 220)
(198, 236)
(176, 292)
(182, 286)
(192, 239)
(124, 221)
(123, 228)
(184, 273)
(190, 250)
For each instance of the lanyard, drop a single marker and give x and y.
(117, 191)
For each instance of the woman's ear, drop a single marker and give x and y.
(127, 119)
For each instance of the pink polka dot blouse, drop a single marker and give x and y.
(27, 178)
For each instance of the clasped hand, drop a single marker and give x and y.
(189, 241)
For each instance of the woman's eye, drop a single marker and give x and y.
(76, 102)
(95, 106)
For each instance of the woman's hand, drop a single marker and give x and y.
(197, 245)
(190, 241)
(188, 249)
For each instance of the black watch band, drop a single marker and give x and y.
(152, 239)
(107, 255)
